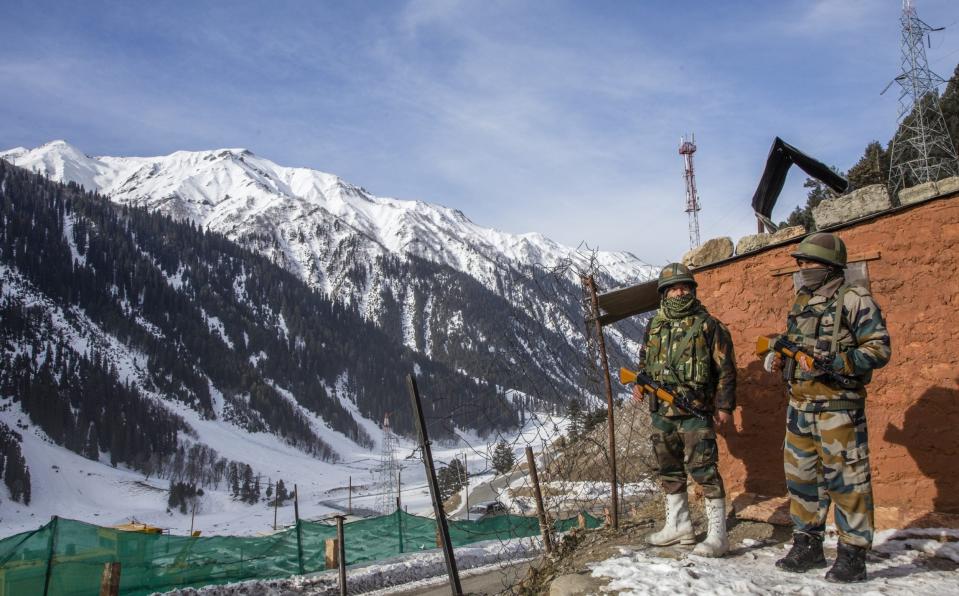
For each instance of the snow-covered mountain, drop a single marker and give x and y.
(230, 345)
(363, 250)
(131, 344)
(306, 219)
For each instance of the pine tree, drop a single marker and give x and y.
(281, 493)
(451, 478)
(872, 168)
(802, 216)
(949, 102)
(575, 416)
(503, 458)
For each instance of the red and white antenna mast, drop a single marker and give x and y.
(686, 148)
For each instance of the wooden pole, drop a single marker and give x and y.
(399, 524)
(540, 510)
(614, 509)
(349, 506)
(192, 517)
(276, 505)
(330, 554)
(466, 473)
(441, 526)
(341, 554)
(110, 580)
(299, 533)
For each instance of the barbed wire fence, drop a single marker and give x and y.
(563, 415)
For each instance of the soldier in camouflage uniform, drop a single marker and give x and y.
(691, 352)
(826, 454)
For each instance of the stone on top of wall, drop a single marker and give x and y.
(757, 241)
(752, 242)
(927, 190)
(710, 251)
(787, 233)
(859, 203)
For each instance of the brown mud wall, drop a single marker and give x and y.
(913, 403)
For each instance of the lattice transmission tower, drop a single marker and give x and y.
(921, 150)
(686, 148)
(388, 472)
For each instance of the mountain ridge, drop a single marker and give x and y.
(221, 189)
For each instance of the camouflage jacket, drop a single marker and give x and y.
(862, 345)
(706, 363)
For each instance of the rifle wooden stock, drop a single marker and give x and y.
(648, 385)
(780, 345)
(775, 343)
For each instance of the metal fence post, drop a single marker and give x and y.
(51, 551)
(341, 548)
(441, 526)
(299, 531)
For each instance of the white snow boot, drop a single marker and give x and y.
(678, 527)
(716, 543)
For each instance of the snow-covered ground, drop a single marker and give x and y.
(894, 568)
(68, 485)
(413, 571)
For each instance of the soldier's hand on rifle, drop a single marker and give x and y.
(773, 362)
(637, 393)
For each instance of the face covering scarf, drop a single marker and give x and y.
(680, 307)
(812, 279)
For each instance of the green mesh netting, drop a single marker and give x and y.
(66, 557)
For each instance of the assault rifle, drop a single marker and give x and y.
(787, 349)
(648, 385)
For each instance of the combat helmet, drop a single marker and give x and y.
(824, 248)
(675, 273)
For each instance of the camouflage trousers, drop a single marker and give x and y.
(686, 444)
(826, 460)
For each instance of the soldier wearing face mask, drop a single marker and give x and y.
(826, 450)
(691, 352)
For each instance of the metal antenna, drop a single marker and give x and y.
(686, 148)
(387, 478)
(921, 150)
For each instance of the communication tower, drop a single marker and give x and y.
(388, 480)
(686, 148)
(922, 150)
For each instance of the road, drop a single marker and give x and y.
(491, 581)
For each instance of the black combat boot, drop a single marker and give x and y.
(805, 554)
(850, 565)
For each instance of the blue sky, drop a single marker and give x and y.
(556, 117)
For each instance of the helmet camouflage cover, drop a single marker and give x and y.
(824, 248)
(675, 273)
